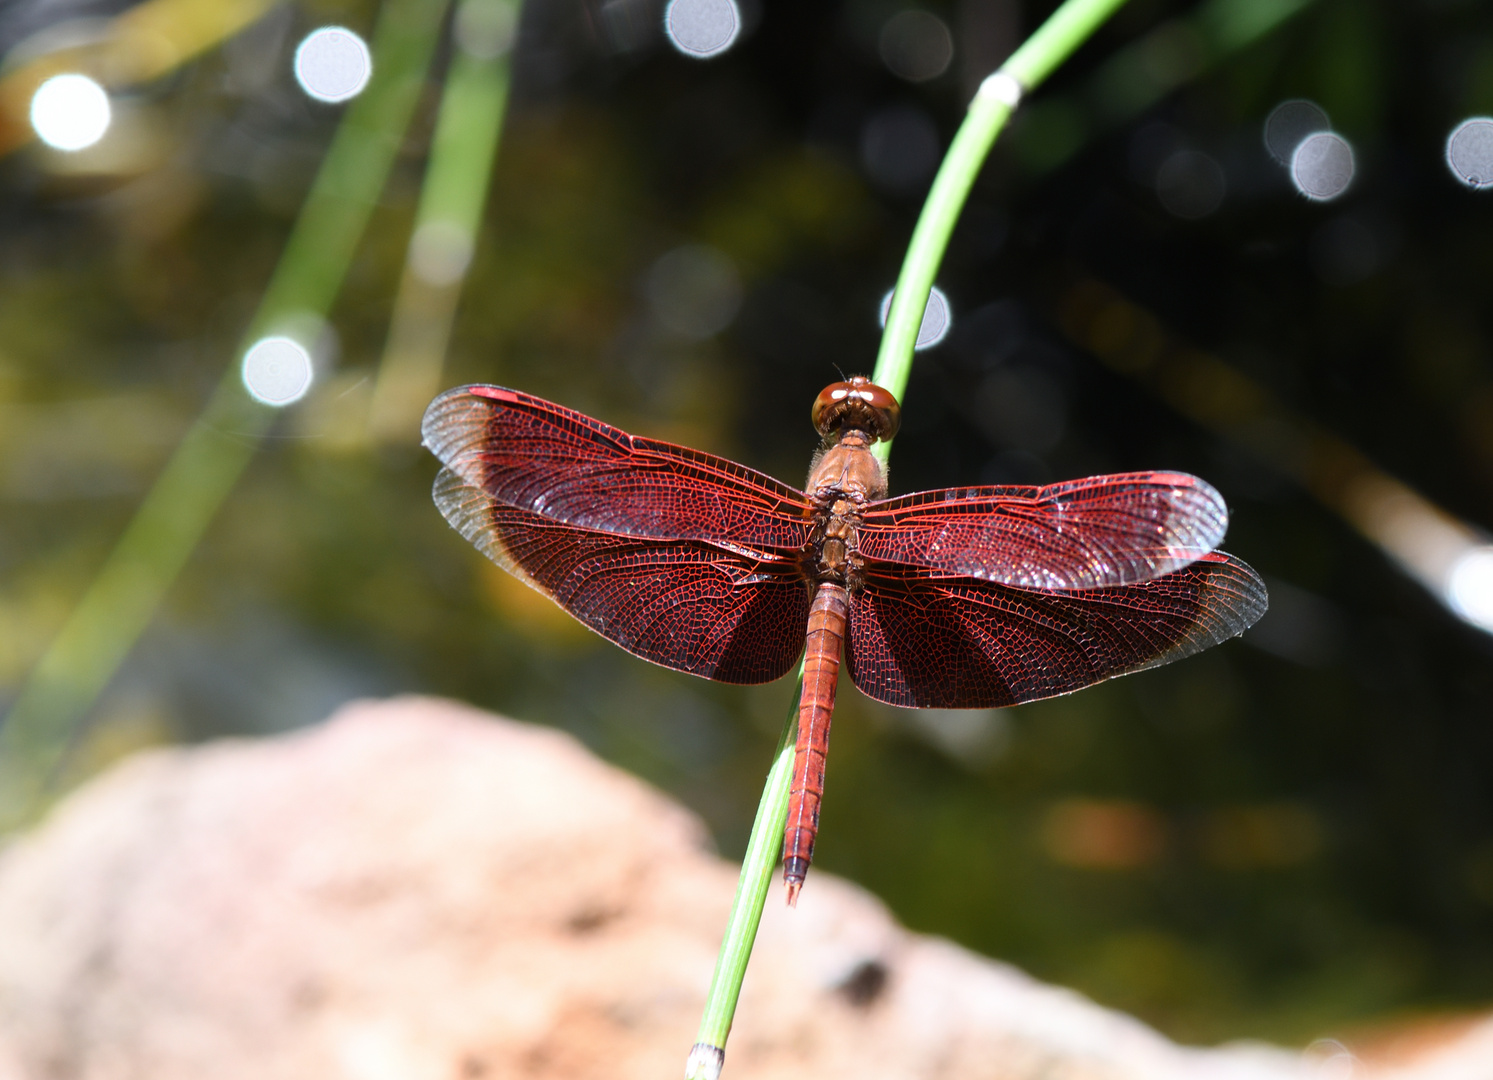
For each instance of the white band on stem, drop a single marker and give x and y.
(704, 1062)
(1002, 88)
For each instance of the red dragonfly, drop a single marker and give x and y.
(961, 598)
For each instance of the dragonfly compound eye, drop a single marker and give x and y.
(858, 404)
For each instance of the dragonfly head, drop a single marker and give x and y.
(857, 404)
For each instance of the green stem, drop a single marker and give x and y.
(123, 599)
(1068, 28)
(462, 150)
(746, 909)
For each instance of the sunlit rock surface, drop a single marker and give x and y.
(418, 890)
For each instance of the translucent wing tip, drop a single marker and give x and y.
(1193, 523)
(1176, 520)
(453, 421)
(1195, 512)
(1235, 599)
(465, 508)
(1213, 512)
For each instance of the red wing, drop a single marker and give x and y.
(732, 615)
(1082, 534)
(925, 640)
(534, 455)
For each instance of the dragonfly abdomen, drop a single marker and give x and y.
(826, 635)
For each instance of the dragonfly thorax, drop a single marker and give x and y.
(845, 476)
(846, 468)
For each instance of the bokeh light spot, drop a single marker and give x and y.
(1289, 123)
(485, 30)
(1331, 1060)
(916, 46)
(333, 64)
(1469, 152)
(694, 291)
(1469, 587)
(702, 28)
(938, 318)
(1190, 185)
(277, 370)
(1109, 834)
(70, 112)
(440, 252)
(1322, 166)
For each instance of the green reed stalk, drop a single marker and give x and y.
(123, 599)
(1068, 28)
(462, 150)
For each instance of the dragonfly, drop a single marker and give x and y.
(960, 598)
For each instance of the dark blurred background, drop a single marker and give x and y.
(1288, 836)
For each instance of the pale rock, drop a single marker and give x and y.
(416, 890)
